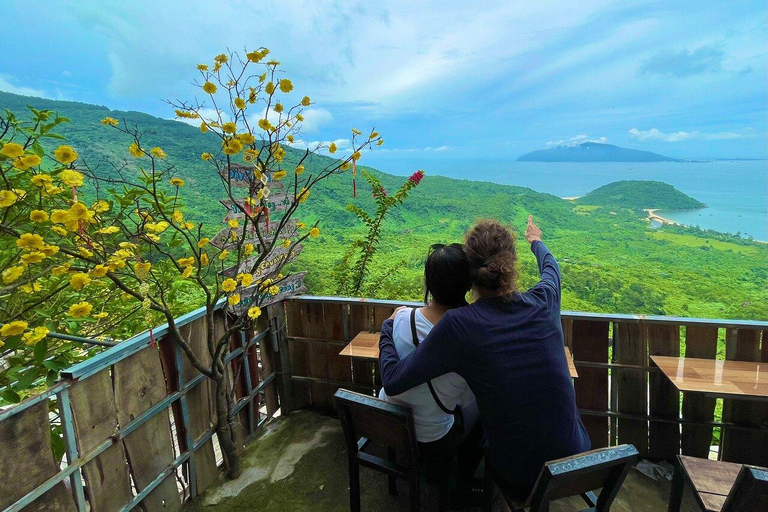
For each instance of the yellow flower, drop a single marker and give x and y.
(157, 152)
(203, 242)
(240, 103)
(13, 328)
(142, 269)
(245, 279)
(303, 195)
(79, 280)
(99, 271)
(100, 316)
(291, 138)
(26, 162)
(229, 285)
(60, 269)
(32, 257)
(100, 206)
(49, 250)
(269, 88)
(234, 299)
(85, 253)
(356, 156)
(299, 169)
(278, 108)
(41, 180)
(65, 154)
(314, 233)
(255, 56)
(12, 150)
(79, 211)
(248, 249)
(206, 156)
(381, 141)
(202, 67)
(332, 148)
(246, 138)
(209, 87)
(233, 223)
(187, 272)
(229, 127)
(373, 135)
(35, 287)
(264, 124)
(221, 58)
(273, 290)
(177, 182)
(110, 230)
(203, 127)
(223, 254)
(157, 227)
(80, 309)
(279, 175)
(254, 313)
(204, 259)
(7, 198)
(231, 146)
(135, 150)
(186, 262)
(286, 243)
(177, 216)
(286, 85)
(34, 336)
(299, 117)
(59, 230)
(30, 242)
(300, 225)
(60, 216)
(110, 121)
(71, 178)
(305, 101)
(11, 274)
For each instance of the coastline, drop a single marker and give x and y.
(658, 218)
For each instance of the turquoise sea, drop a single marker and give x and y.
(735, 191)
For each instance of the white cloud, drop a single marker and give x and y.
(415, 150)
(343, 145)
(314, 119)
(7, 85)
(575, 141)
(655, 135)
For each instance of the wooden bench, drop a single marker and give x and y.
(366, 419)
(580, 474)
(720, 486)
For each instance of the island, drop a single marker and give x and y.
(593, 152)
(640, 195)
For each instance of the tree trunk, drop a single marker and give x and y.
(227, 428)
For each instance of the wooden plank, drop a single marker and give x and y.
(276, 314)
(267, 356)
(95, 414)
(26, 461)
(381, 313)
(743, 446)
(139, 384)
(360, 319)
(700, 342)
(631, 348)
(317, 359)
(299, 360)
(568, 332)
(339, 367)
(321, 396)
(589, 340)
(664, 399)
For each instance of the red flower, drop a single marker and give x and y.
(416, 177)
(380, 193)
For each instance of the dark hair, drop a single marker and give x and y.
(490, 248)
(446, 275)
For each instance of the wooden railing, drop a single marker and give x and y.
(622, 397)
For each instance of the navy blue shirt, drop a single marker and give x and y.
(511, 355)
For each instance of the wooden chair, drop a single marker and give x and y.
(580, 474)
(720, 486)
(365, 419)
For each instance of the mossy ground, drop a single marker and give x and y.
(299, 464)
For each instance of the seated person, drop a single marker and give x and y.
(444, 409)
(508, 345)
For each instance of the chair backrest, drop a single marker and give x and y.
(605, 468)
(749, 492)
(378, 421)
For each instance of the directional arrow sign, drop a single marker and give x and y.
(278, 257)
(242, 176)
(250, 297)
(223, 239)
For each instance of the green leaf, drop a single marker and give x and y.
(10, 396)
(41, 350)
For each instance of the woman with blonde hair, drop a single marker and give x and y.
(508, 346)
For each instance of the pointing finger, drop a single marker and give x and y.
(530, 220)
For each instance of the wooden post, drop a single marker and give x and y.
(631, 349)
(277, 325)
(700, 342)
(664, 399)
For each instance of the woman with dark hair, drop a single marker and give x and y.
(508, 346)
(444, 408)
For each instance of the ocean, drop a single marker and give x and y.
(735, 191)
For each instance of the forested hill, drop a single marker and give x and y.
(637, 194)
(593, 152)
(610, 258)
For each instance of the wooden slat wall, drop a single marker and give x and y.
(664, 399)
(631, 348)
(589, 340)
(361, 319)
(27, 461)
(742, 446)
(700, 342)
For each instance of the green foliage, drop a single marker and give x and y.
(638, 195)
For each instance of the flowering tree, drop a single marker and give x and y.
(134, 241)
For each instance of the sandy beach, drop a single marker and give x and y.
(658, 218)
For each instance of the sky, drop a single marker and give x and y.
(442, 80)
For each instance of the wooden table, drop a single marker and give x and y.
(366, 346)
(724, 379)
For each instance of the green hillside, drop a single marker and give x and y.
(611, 260)
(639, 195)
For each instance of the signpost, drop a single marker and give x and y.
(250, 297)
(223, 239)
(278, 257)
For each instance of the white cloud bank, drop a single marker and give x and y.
(655, 135)
(6, 84)
(575, 141)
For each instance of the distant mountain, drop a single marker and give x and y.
(639, 194)
(593, 152)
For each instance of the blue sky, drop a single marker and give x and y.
(441, 80)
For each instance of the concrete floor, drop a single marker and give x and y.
(299, 464)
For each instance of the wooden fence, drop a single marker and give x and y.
(137, 423)
(622, 397)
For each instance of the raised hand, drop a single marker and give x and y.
(532, 231)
